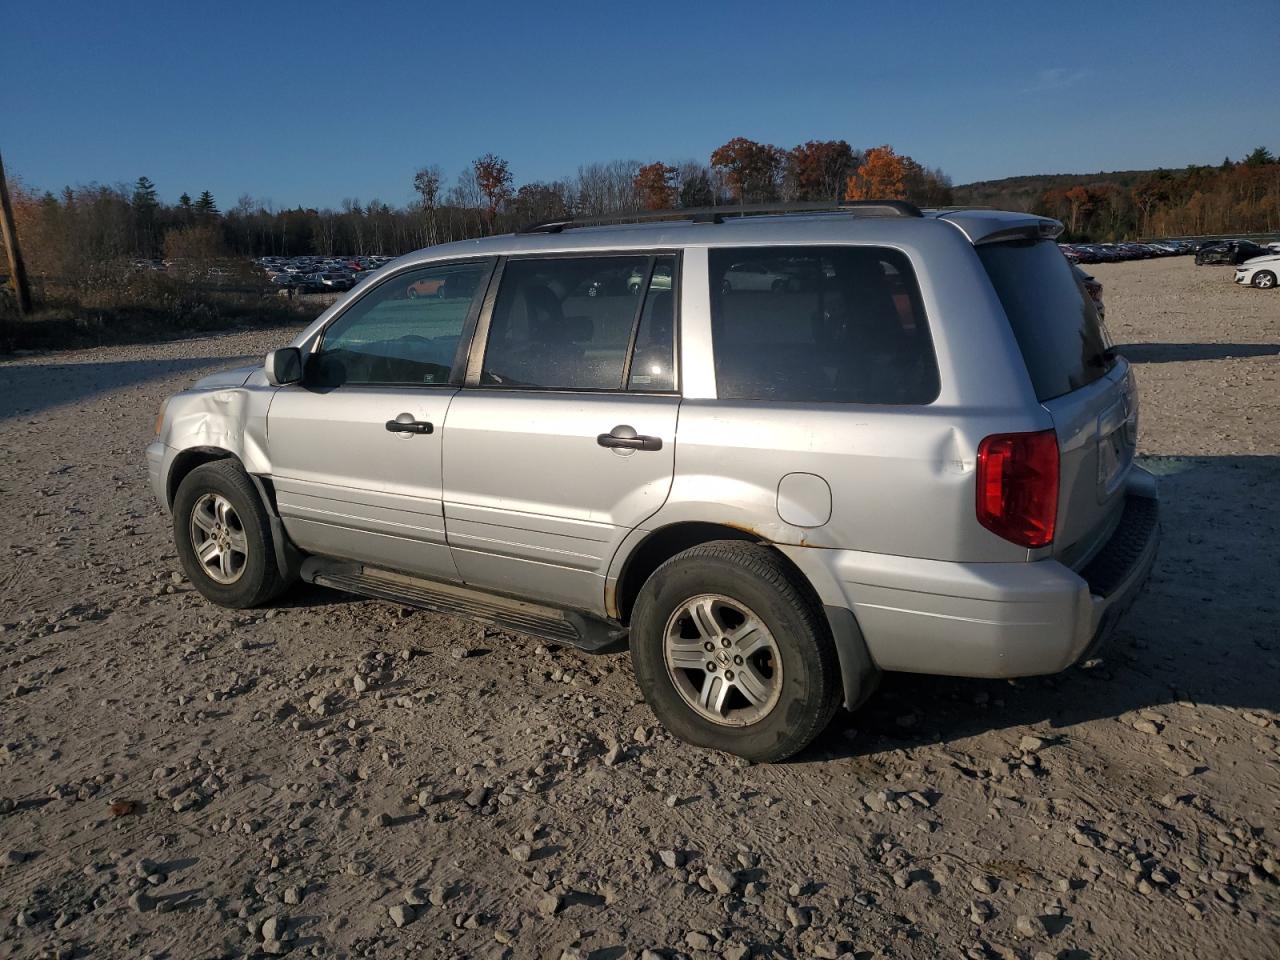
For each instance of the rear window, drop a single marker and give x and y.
(819, 324)
(1057, 328)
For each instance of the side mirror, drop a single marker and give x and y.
(284, 366)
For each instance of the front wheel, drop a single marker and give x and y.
(732, 652)
(1264, 279)
(223, 536)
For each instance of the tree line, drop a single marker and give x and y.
(1237, 196)
(70, 233)
(78, 232)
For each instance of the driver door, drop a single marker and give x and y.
(355, 447)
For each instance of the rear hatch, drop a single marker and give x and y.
(1086, 389)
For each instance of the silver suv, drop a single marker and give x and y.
(780, 453)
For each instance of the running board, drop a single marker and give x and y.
(568, 627)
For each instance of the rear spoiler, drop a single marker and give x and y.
(981, 226)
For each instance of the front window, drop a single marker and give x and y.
(403, 332)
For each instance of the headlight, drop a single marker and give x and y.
(160, 417)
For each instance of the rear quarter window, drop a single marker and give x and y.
(819, 324)
(1063, 343)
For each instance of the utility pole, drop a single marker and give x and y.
(10, 236)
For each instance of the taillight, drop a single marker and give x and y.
(1018, 486)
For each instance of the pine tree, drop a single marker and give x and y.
(184, 201)
(205, 206)
(1259, 157)
(144, 195)
(144, 204)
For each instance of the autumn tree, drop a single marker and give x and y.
(750, 169)
(200, 242)
(493, 177)
(655, 186)
(1078, 203)
(1148, 193)
(881, 176)
(817, 169)
(427, 182)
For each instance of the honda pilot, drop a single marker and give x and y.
(775, 452)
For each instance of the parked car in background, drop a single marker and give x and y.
(1230, 251)
(916, 453)
(427, 287)
(754, 275)
(1260, 272)
(337, 281)
(309, 283)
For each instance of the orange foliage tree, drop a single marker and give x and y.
(882, 176)
(655, 186)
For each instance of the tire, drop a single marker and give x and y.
(1264, 279)
(246, 529)
(797, 667)
(413, 294)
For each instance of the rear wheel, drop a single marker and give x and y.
(223, 536)
(733, 652)
(1264, 279)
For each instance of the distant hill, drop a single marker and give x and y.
(1022, 193)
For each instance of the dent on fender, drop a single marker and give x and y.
(221, 419)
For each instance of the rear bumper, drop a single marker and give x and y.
(991, 619)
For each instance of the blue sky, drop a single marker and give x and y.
(310, 103)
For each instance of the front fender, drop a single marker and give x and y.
(232, 419)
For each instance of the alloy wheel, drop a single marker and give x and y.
(723, 660)
(218, 538)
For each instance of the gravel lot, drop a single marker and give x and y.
(338, 777)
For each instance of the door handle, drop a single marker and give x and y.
(624, 437)
(409, 425)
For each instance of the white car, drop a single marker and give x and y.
(1260, 272)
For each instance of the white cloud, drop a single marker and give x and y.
(1056, 78)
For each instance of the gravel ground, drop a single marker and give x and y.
(338, 777)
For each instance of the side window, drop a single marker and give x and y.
(403, 332)
(653, 364)
(568, 323)
(819, 324)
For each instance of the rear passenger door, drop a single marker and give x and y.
(563, 439)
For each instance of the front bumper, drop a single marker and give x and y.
(991, 619)
(1242, 276)
(159, 458)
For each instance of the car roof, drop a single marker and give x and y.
(835, 227)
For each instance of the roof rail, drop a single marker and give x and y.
(866, 208)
